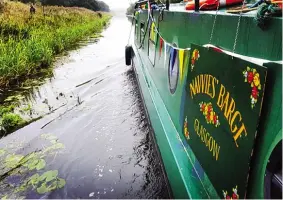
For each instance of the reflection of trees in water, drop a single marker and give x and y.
(145, 152)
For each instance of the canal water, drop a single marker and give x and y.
(94, 141)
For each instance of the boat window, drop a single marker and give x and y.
(173, 70)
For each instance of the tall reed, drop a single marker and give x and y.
(30, 42)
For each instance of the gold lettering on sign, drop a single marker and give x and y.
(207, 139)
(203, 84)
(234, 118)
(206, 84)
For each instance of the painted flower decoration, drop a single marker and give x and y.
(186, 132)
(210, 115)
(195, 57)
(234, 195)
(252, 77)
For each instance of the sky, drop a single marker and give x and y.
(117, 5)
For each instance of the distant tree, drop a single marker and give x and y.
(2, 5)
(130, 9)
(94, 5)
(103, 6)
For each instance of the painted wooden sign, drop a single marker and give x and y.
(221, 116)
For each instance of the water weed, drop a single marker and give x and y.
(23, 174)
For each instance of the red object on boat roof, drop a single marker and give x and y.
(279, 3)
(211, 4)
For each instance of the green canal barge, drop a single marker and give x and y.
(211, 83)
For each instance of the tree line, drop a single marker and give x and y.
(94, 5)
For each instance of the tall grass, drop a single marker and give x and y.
(30, 42)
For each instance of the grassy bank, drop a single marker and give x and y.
(30, 43)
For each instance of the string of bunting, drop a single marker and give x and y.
(181, 53)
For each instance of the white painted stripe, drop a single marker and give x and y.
(258, 61)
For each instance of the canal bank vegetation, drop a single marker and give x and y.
(9, 120)
(94, 5)
(29, 44)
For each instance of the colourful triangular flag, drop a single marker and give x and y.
(152, 35)
(160, 46)
(168, 48)
(181, 64)
(185, 63)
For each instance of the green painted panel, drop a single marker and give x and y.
(196, 28)
(222, 111)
